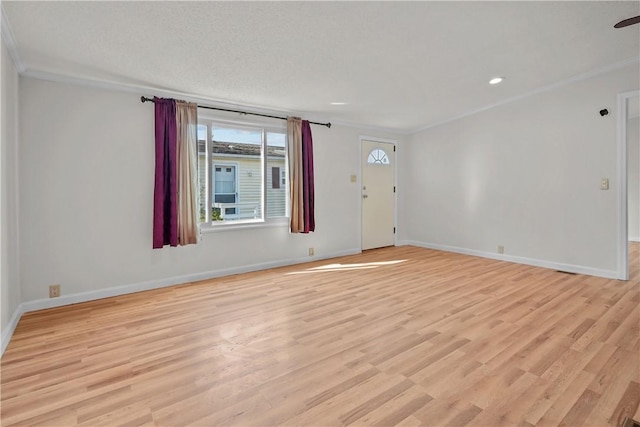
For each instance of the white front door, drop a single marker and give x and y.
(378, 198)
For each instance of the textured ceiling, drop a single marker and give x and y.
(397, 65)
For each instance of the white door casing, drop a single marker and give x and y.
(623, 173)
(378, 198)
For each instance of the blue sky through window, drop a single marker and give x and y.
(242, 136)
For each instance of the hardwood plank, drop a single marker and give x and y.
(581, 409)
(538, 399)
(497, 411)
(563, 404)
(628, 404)
(396, 414)
(373, 403)
(442, 412)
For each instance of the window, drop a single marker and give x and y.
(240, 169)
(378, 156)
(224, 191)
(277, 160)
(275, 177)
(224, 184)
(278, 178)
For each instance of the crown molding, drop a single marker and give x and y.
(577, 78)
(149, 91)
(10, 41)
(354, 125)
(156, 91)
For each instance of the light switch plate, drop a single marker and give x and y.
(604, 184)
(354, 178)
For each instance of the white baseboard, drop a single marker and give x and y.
(7, 332)
(570, 268)
(44, 303)
(635, 239)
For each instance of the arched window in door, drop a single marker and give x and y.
(378, 156)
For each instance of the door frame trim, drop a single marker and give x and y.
(395, 183)
(623, 226)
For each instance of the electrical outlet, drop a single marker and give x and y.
(54, 291)
(354, 178)
(312, 252)
(500, 249)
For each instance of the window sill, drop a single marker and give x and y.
(243, 225)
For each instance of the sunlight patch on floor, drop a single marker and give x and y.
(347, 267)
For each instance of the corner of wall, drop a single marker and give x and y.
(7, 331)
(10, 41)
(10, 290)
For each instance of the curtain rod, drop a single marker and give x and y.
(144, 99)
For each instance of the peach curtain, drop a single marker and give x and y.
(186, 120)
(301, 181)
(294, 142)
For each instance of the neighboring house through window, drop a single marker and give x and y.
(241, 171)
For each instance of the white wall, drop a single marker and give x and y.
(525, 175)
(86, 197)
(633, 154)
(9, 275)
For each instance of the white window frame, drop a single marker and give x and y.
(264, 221)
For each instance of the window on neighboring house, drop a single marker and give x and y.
(235, 165)
(224, 189)
(278, 177)
(275, 177)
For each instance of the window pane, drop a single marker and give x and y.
(225, 181)
(237, 178)
(276, 183)
(202, 172)
(377, 156)
(226, 199)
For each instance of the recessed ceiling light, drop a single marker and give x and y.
(338, 103)
(496, 80)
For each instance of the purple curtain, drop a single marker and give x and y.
(165, 196)
(307, 178)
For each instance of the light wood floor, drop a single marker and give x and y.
(397, 336)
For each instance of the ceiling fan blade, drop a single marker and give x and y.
(627, 22)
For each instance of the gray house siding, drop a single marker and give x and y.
(248, 172)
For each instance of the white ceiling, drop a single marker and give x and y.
(398, 65)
